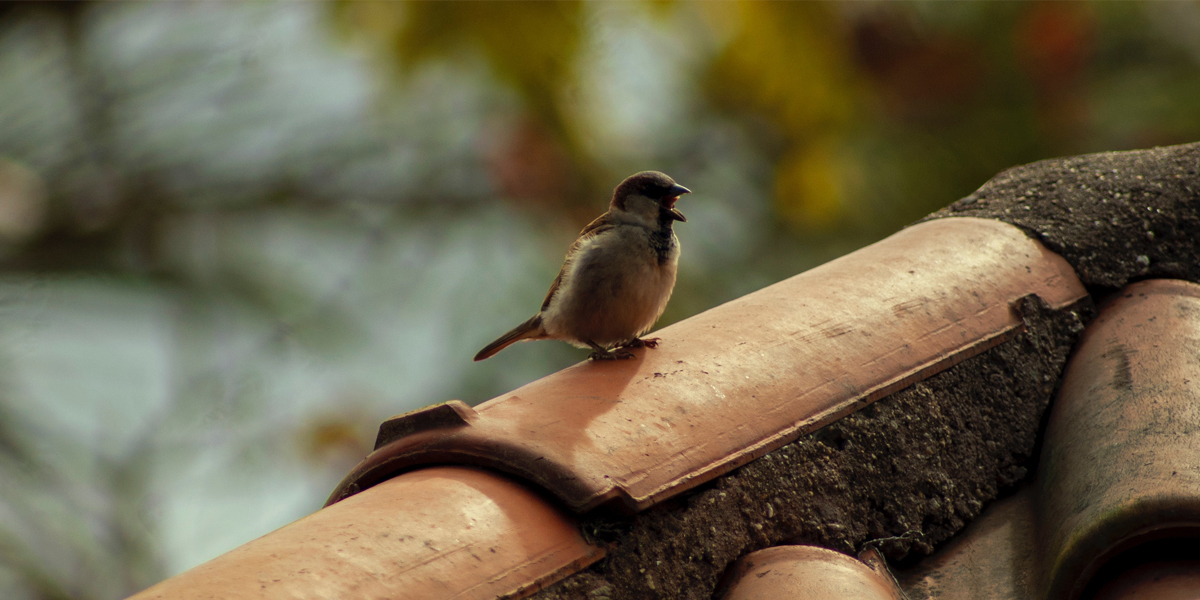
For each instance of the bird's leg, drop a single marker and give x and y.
(602, 353)
(599, 352)
(641, 343)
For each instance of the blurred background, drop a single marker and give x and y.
(234, 237)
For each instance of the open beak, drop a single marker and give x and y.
(674, 193)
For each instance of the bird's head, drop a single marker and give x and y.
(649, 195)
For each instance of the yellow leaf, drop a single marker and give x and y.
(532, 45)
(808, 186)
(789, 61)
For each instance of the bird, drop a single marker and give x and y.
(617, 277)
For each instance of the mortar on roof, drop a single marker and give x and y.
(1116, 217)
(1116, 476)
(902, 474)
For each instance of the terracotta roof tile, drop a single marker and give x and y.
(724, 387)
(1122, 444)
(808, 572)
(1164, 580)
(1118, 465)
(992, 559)
(727, 386)
(722, 390)
(441, 532)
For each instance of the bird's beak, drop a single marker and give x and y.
(674, 193)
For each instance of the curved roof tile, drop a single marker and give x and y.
(808, 572)
(442, 532)
(1123, 441)
(740, 380)
(1117, 473)
(747, 377)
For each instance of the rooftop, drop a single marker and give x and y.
(901, 405)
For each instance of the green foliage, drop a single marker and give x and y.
(236, 236)
(531, 45)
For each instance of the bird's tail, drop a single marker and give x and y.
(529, 330)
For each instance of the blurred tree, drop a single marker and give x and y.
(531, 46)
(231, 242)
(788, 62)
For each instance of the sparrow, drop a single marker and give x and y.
(617, 276)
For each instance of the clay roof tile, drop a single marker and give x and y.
(441, 532)
(1118, 468)
(735, 382)
(808, 572)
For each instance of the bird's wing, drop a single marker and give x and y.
(602, 224)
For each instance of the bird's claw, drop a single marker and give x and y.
(642, 343)
(610, 354)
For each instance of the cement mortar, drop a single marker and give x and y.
(912, 469)
(1117, 217)
(901, 474)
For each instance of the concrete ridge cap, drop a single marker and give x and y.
(1116, 217)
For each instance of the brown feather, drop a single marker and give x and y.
(529, 330)
(600, 225)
